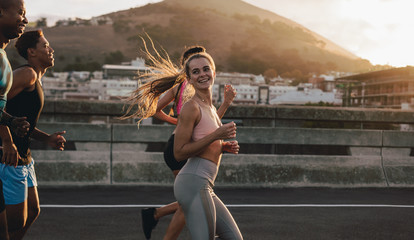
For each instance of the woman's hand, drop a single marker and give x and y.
(227, 131)
(231, 147)
(229, 93)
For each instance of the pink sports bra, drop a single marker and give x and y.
(206, 124)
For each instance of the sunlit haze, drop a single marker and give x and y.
(378, 30)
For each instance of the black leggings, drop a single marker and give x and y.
(169, 156)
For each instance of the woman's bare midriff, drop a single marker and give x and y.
(213, 152)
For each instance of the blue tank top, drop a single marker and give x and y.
(6, 79)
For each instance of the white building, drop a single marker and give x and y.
(276, 91)
(55, 87)
(101, 20)
(306, 95)
(118, 81)
(238, 78)
(104, 89)
(130, 71)
(246, 94)
(80, 75)
(97, 75)
(249, 94)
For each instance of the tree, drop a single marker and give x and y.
(297, 76)
(120, 26)
(269, 74)
(114, 57)
(42, 22)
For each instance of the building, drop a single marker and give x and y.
(251, 94)
(118, 81)
(323, 82)
(306, 96)
(55, 87)
(80, 76)
(238, 78)
(103, 89)
(276, 91)
(73, 22)
(386, 88)
(279, 81)
(130, 71)
(101, 20)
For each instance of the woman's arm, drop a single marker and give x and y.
(229, 95)
(166, 99)
(184, 146)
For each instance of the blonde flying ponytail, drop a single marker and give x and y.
(163, 75)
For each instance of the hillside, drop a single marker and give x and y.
(240, 37)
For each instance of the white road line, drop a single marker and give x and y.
(96, 206)
(241, 206)
(322, 205)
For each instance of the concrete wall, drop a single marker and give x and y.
(263, 116)
(281, 146)
(120, 154)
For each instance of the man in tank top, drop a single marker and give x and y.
(12, 24)
(25, 98)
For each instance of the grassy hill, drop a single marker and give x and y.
(240, 37)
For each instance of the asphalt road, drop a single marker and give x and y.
(89, 213)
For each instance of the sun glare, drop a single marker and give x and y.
(386, 24)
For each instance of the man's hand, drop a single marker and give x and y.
(20, 126)
(10, 154)
(57, 141)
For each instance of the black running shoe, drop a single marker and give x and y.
(148, 221)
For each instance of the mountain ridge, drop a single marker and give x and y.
(240, 36)
(263, 14)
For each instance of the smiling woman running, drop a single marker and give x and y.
(199, 137)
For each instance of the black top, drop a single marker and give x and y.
(26, 104)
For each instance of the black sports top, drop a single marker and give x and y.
(26, 104)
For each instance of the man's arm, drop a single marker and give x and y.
(23, 78)
(6, 119)
(10, 153)
(55, 140)
(19, 125)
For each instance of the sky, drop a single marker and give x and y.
(381, 31)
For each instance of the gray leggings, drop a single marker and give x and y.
(205, 214)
